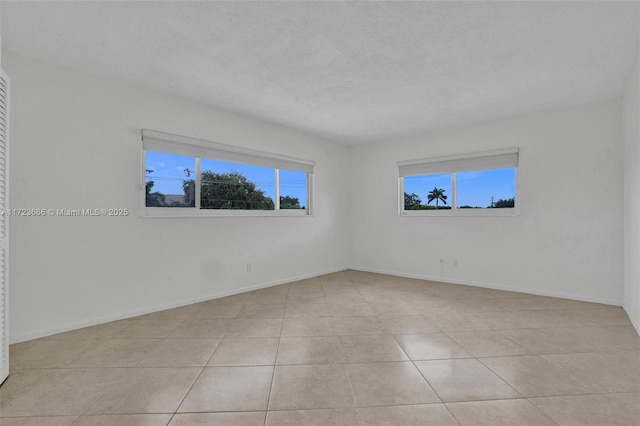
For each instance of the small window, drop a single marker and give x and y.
(165, 178)
(477, 184)
(486, 189)
(233, 186)
(293, 190)
(427, 192)
(207, 179)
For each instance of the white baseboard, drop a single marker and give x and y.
(490, 286)
(36, 334)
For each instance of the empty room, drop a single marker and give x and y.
(319, 213)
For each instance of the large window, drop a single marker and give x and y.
(474, 184)
(192, 177)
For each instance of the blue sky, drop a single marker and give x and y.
(474, 188)
(169, 173)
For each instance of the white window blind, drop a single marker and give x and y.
(498, 159)
(165, 142)
(4, 227)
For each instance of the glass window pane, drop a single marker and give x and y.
(167, 180)
(427, 192)
(235, 186)
(486, 189)
(293, 189)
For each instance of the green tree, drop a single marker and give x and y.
(153, 199)
(504, 204)
(438, 195)
(411, 201)
(288, 202)
(229, 191)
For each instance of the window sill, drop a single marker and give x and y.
(462, 213)
(191, 212)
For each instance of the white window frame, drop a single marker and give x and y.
(156, 141)
(478, 161)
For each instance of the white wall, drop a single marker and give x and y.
(76, 144)
(567, 240)
(632, 198)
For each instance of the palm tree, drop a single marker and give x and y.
(438, 195)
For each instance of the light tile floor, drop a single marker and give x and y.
(350, 348)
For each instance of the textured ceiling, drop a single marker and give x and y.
(349, 71)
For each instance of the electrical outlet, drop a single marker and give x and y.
(442, 260)
(248, 267)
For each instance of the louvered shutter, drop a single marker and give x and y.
(4, 228)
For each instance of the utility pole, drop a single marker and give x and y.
(492, 201)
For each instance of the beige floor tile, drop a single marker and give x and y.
(599, 317)
(431, 346)
(548, 340)
(218, 310)
(117, 353)
(202, 328)
(344, 298)
(38, 421)
(620, 409)
(309, 350)
(306, 310)
(18, 382)
(297, 387)
(262, 311)
(149, 329)
(373, 348)
(361, 276)
(485, 343)
(456, 321)
(602, 372)
(532, 375)
(241, 299)
(351, 310)
(333, 417)
(340, 345)
(506, 412)
(250, 327)
(245, 351)
(357, 325)
(528, 319)
(470, 306)
(609, 338)
(62, 392)
(408, 324)
(306, 299)
(101, 331)
(307, 327)
(124, 420)
(392, 308)
(407, 415)
(180, 353)
(219, 419)
(464, 380)
(532, 302)
(379, 296)
(229, 389)
(47, 353)
(337, 287)
(282, 289)
(267, 299)
(306, 288)
(181, 313)
(147, 390)
(389, 383)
